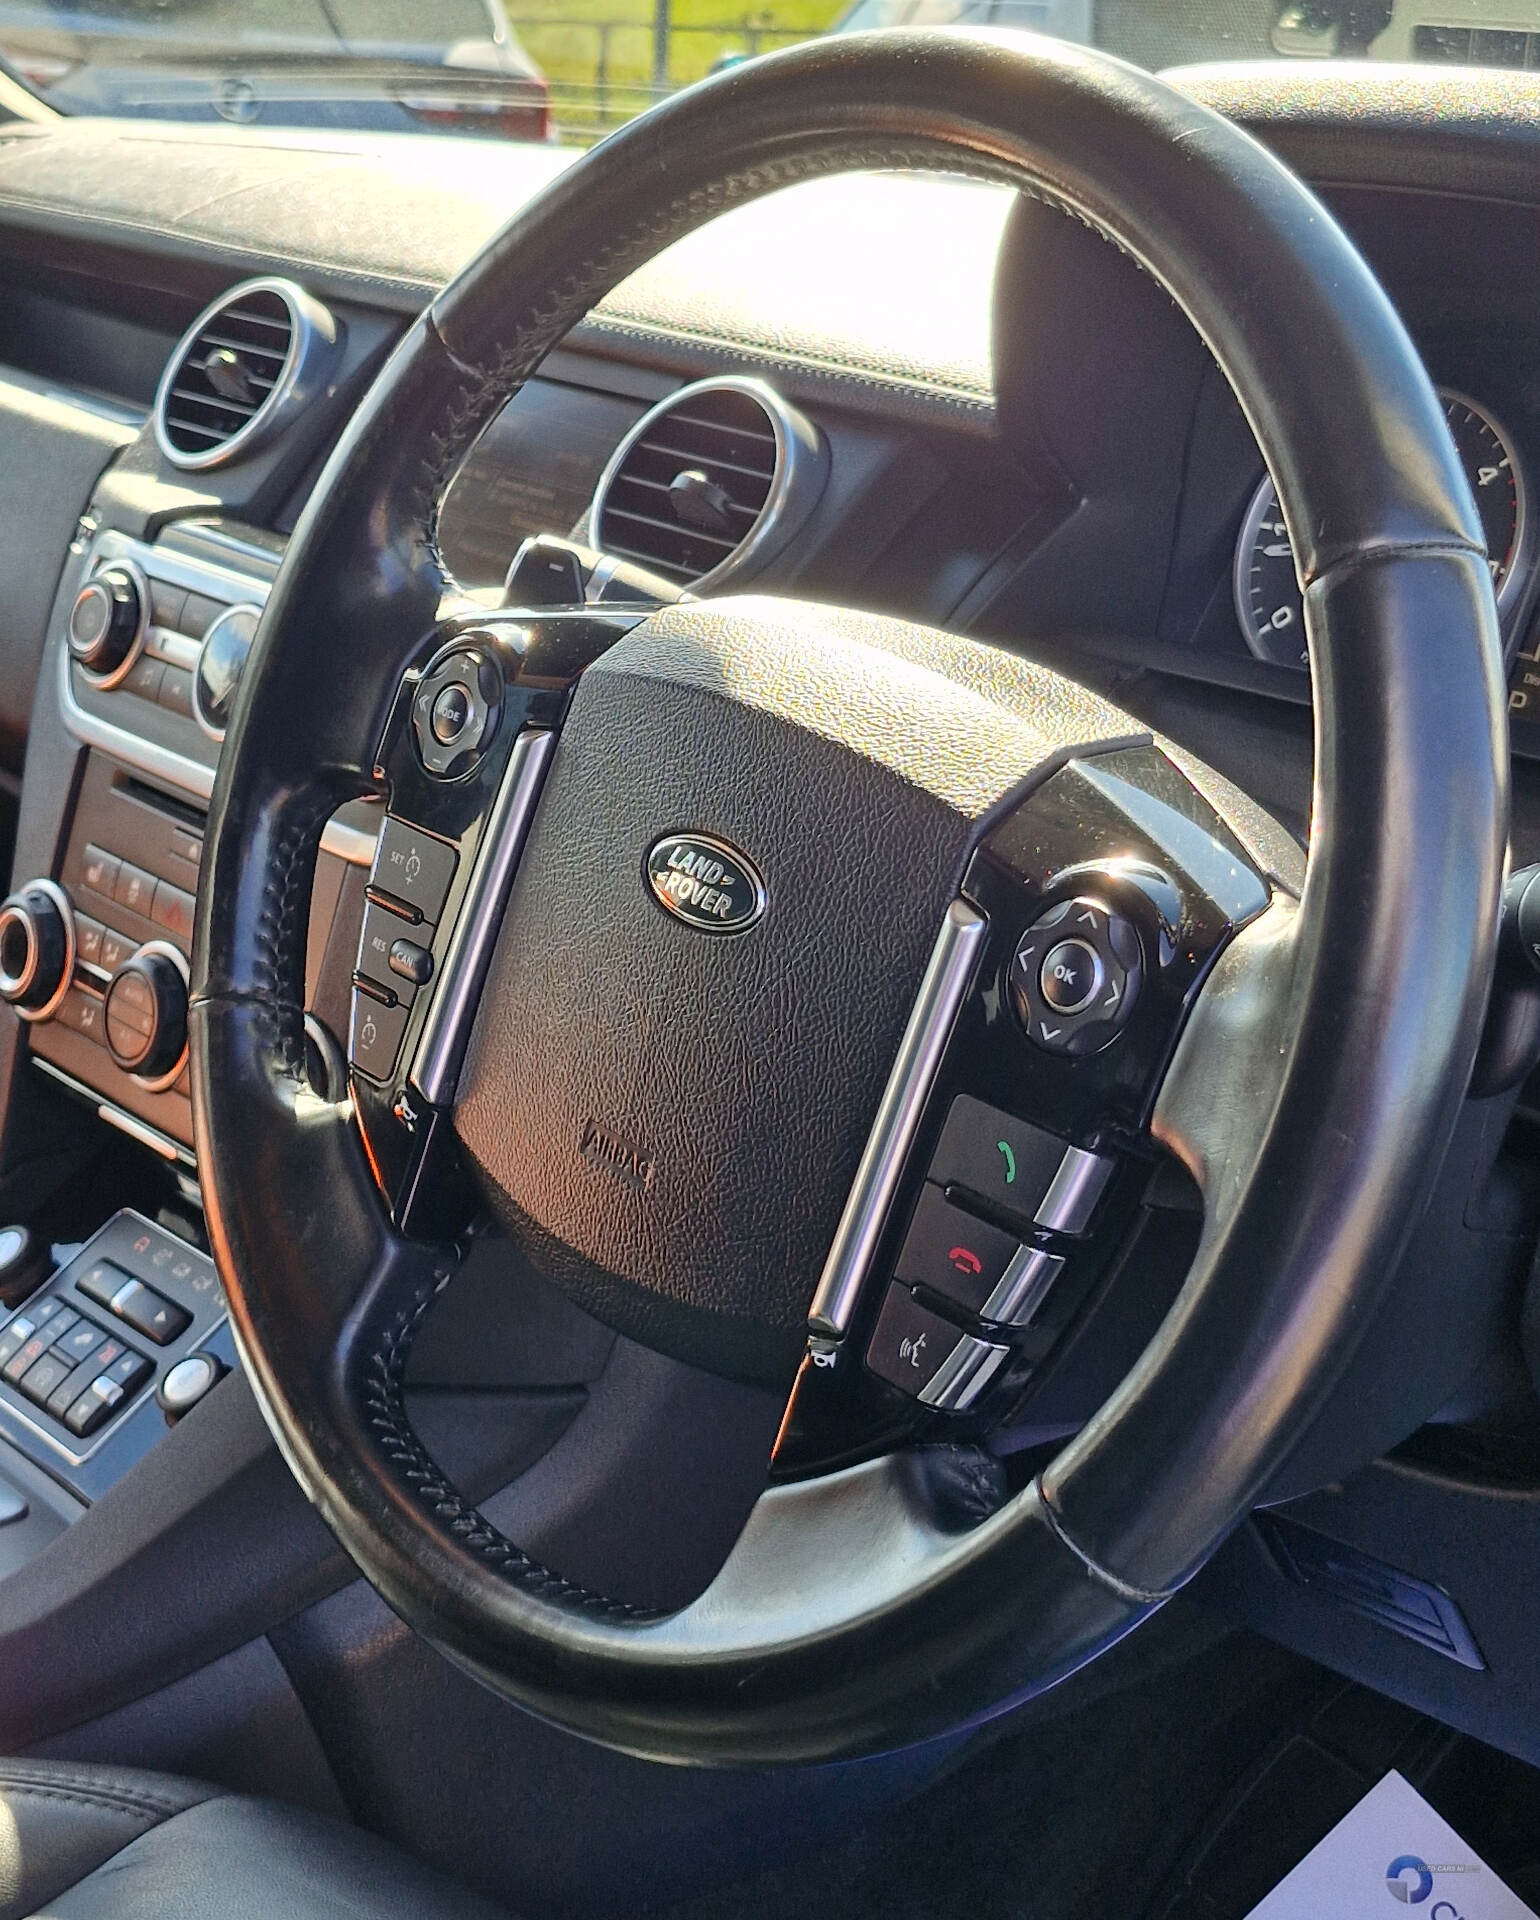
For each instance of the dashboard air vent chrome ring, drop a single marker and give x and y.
(710, 484)
(246, 366)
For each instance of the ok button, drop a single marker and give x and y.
(1071, 976)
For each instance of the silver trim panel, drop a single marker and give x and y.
(1068, 1204)
(941, 994)
(963, 1374)
(1023, 1287)
(119, 1117)
(441, 1048)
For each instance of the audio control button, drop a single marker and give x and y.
(106, 622)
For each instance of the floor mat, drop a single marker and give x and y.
(1067, 1819)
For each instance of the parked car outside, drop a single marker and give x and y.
(386, 65)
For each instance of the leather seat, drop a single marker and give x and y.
(109, 1843)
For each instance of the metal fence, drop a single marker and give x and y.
(602, 72)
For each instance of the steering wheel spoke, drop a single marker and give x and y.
(462, 759)
(1005, 1172)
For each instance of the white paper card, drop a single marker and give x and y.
(1392, 1851)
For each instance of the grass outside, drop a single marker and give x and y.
(598, 54)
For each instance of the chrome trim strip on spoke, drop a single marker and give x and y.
(446, 1031)
(1071, 1200)
(941, 994)
(1023, 1287)
(963, 1374)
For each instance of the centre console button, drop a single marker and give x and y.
(100, 1281)
(43, 1376)
(1002, 1159)
(953, 1253)
(414, 867)
(149, 1312)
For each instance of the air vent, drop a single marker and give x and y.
(711, 484)
(247, 365)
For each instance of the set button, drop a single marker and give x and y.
(1075, 976)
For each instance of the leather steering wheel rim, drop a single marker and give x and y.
(1366, 1001)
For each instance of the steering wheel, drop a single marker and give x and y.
(890, 807)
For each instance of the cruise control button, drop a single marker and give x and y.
(376, 1036)
(1002, 1159)
(414, 867)
(149, 1312)
(409, 961)
(953, 1253)
(910, 1342)
(381, 930)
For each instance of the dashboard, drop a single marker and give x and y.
(911, 395)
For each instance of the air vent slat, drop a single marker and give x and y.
(686, 456)
(236, 345)
(693, 484)
(244, 408)
(664, 487)
(191, 427)
(238, 367)
(724, 541)
(721, 426)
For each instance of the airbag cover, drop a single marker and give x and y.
(670, 1121)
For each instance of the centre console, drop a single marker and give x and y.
(150, 641)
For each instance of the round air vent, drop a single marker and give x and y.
(247, 365)
(711, 484)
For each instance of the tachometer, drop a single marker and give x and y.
(1267, 597)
